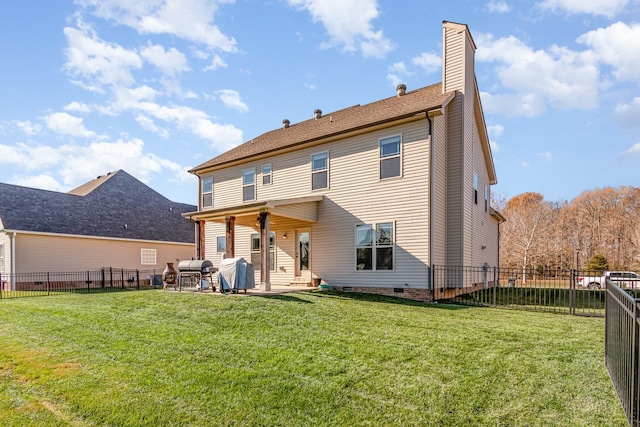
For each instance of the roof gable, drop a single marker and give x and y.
(115, 206)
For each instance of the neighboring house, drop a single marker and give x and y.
(367, 198)
(113, 221)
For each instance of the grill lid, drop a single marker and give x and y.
(200, 265)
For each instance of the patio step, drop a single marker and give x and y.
(299, 282)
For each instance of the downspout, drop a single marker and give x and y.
(13, 261)
(430, 203)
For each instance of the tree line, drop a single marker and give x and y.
(598, 224)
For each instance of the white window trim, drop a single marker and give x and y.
(147, 255)
(218, 244)
(393, 245)
(323, 170)
(202, 192)
(253, 170)
(271, 249)
(399, 156)
(270, 174)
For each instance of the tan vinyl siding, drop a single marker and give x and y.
(356, 196)
(453, 58)
(42, 253)
(439, 186)
(455, 181)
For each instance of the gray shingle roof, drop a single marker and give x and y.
(336, 123)
(100, 208)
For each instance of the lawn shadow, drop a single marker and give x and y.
(288, 297)
(361, 296)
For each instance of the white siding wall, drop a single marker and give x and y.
(5, 256)
(41, 253)
(356, 196)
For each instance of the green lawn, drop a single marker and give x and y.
(306, 359)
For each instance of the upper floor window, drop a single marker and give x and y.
(374, 246)
(475, 188)
(207, 192)
(1, 258)
(320, 171)
(390, 164)
(147, 256)
(248, 184)
(266, 174)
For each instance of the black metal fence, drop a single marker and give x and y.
(559, 291)
(622, 335)
(52, 283)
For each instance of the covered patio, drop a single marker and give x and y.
(282, 225)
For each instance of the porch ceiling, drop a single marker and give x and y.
(302, 209)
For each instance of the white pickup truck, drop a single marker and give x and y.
(624, 279)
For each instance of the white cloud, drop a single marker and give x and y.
(628, 114)
(498, 6)
(348, 24)
(28, 128)
(29, 156)
(77, 107)
(99, 63)
(632, 152)
(397, 72)
(608, 8)
(429, 62)
(558, 77)
(147, 124)
(495, 131)
(494, 146)
(618, 46)
(171, 62)
(191, 20)
(216, 62)
(231, 99)
(66, 124)
(41, 181)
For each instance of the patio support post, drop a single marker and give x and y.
(230, 235)
(265, 247)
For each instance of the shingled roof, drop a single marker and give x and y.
(115, 205)
(338, 122)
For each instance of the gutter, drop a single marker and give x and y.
(13, 260)
(430, 121)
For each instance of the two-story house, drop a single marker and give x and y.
(368, 198)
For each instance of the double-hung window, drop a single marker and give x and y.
(475, 188)
(320, 171)
(390, 159)
(375, 246)
(248, 184)
(1, 258)
(221, 244)
(266, 174)
(256, 258)
(207, 192)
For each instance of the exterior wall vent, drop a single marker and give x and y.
(401, 89)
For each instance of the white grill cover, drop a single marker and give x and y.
(236, 273)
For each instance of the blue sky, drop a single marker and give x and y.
(156, 87)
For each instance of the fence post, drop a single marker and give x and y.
(122, 278)
(138, 279)
(48, 283)
(102, 278)
(572, 291)
(88, 283)
(496, 283)
(634, 365)
(1, 286)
